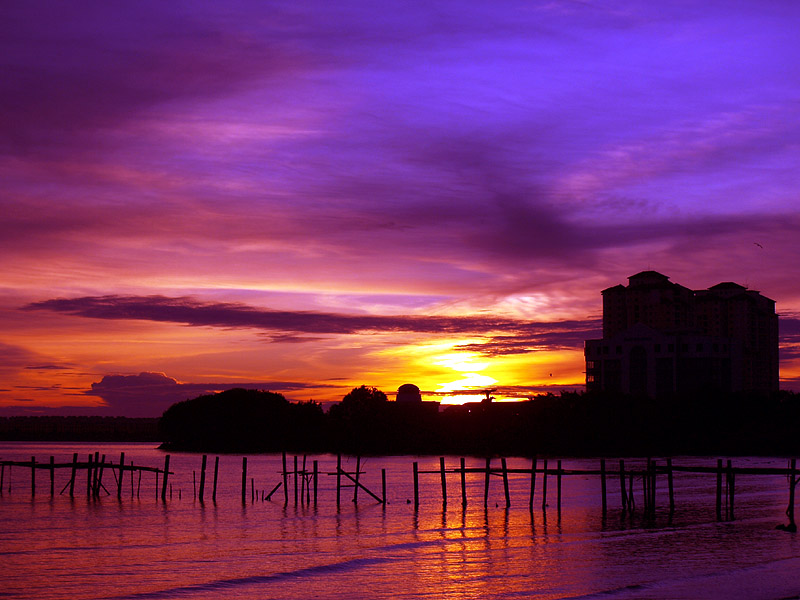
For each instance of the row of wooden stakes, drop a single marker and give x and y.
(305, 480)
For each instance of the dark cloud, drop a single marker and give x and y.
(189, 311)
(150, 394)
(89, 65)
(563, 335)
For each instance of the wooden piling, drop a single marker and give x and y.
(544, 484)
(339, 478)
(244, 480)
(202, 492)
(653, 476)
(533, 482)
(252, 490)
(99, 481)
(463, 482)
(383, 486)
(216, 471)
(358, 474)
(444, 480)
(631, 499)
(72, 476)
(719, 489)
(52, 476)
(285, 476)
(166, 478)
(294, 480)
(505, 482)
(416, 484)
(623, 496)
(89, 476)
(603, 502)
(792, 484)
(558, 481)
(671, 487)
(119, 481)
(486, 482)
(731, 478)
(316, 477)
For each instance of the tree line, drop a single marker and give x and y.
(569, 424)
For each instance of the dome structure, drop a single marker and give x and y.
(408, 392)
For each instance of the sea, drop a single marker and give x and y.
(142, 547)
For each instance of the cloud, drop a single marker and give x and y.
(150, 394)
(189, 311)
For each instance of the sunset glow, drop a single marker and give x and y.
(310, 197)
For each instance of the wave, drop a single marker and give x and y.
(227, 584)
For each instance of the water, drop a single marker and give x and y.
(143, 548)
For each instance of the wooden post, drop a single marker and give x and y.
(558, 480)
(544, 484)
(731, 476)
(463, 482)
(252, 490)
(505, 482)
(194, 484)
(244, 480)
(444, 479)
(416, 485)
(72, 477)
(792, 483)
(719, 489)
(294, 479)
(671, 487)
(305, 482)
(533, 482)
(96, 470)
(52, 476)
(486, 482)
(89, 476)
(622, 495)
(203, 477)
(358, 473)
(383, 486)
(646, 487)
(33, 476)
(603, 485)
(316, 476)
(216, 471)
(339, 479)
(100, 476)
(166, 477)
(286, 482)
(653, 477)
(631, 499)
(119, 481)
(132, 480)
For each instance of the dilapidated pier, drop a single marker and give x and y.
(299, 481)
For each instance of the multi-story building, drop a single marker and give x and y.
(661, 339)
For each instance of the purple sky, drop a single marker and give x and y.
(311, 196)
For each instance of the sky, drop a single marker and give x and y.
(310, 196)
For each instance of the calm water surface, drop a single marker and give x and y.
(141, 547)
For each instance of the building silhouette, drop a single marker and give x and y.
(661, 338)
